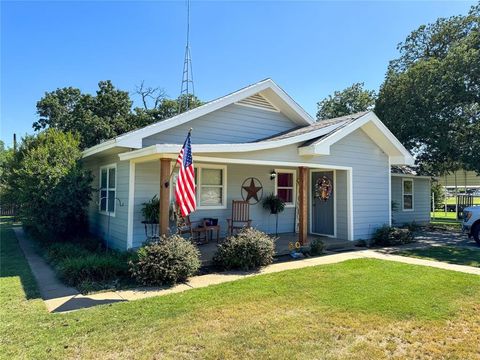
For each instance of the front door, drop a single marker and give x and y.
(323, 220)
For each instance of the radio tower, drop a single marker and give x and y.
(187, 89)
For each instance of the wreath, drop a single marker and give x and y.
(323, 188)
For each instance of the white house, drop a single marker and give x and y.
(257, 132)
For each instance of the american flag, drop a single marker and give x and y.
(185, 187)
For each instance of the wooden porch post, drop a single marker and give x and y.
(164, 195)
(303, 203)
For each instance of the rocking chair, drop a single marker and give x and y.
(240, 216)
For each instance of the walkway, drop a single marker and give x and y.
(59, 298)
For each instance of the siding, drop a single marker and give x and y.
(231, 124)
(147, 181)
(370, 172)
(147, 185)
(115, 232)
(341, 177)
(421, 201)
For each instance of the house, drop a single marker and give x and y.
(260, 134)
(411, 195)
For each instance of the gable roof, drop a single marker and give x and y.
(267, 88)
(314, 139)
(373, 127)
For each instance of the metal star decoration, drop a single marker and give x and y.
(252, 190)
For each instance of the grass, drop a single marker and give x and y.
(449, 254)
(359, 309)
(451, 200)
(449, 215)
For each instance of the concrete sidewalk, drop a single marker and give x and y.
(59, 298)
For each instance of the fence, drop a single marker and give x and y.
(452, 204)
(8, 210)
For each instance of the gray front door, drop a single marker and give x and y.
(323, 221)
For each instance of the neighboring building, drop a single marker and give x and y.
(410, 195)
(257, 132)
(461, 180)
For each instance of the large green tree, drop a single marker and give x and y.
(106, 114)
(431, 94)
(348, 101)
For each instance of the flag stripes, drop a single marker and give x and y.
(185, 187)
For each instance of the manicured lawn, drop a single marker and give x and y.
(450, 254)
(449, 215)
(360, 309)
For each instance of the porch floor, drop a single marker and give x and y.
(281, 245)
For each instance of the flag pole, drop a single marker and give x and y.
(167, 183)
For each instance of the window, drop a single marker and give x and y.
(211, 189)
(107, 194)
(285, 186)
(407, 194)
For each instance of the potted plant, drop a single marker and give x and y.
(151, 214)
(276, 205)
(273, 203)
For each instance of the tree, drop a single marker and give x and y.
(50, 184)
(92, 118)
(431, 94)
(351, 100)
(6, 160)
(108, 113)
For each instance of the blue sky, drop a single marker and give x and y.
(309, 48)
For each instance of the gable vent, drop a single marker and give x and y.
(259, 102)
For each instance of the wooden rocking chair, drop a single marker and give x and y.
(240, 216)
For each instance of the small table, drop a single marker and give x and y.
(211, 228)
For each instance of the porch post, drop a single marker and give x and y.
(303, 203)
(164, 195)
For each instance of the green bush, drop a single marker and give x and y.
(166, 261)
(316, 247)
(50, 185)
(58, 252)
(249, 249)
(93, 268)
(391, 236)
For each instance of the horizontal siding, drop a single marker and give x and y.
(421, 201)
(370, 175)
(113, 229)
(231, 124)
(147, 180)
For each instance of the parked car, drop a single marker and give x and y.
(471, 222)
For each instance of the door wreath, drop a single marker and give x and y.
(323, 188)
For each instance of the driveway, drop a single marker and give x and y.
(426, 238)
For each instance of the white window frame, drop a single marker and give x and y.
(199, 168)
(294, 185)
(403, 194)
(107, 167)
(198, 186)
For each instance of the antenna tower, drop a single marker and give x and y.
(187, 89)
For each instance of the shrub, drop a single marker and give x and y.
(249, 249)
(58, 252)
(316, 247)
(93, 268)
(51, 187)
(166, 261)
(391, 236)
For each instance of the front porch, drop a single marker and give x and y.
(208, 250)
(220, 183)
